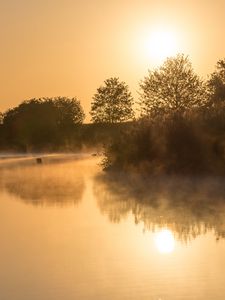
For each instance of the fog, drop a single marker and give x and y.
(189, 206)
(54, 181)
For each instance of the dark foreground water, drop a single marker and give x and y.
(67, 233)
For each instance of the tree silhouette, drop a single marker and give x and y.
(1, 130)
(216, 84)
(172, 87)
(43, 121)
(112, 103)
(69, 110)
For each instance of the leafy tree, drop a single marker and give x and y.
(30, 123)
(44, 121)
(112, 103)
(172, 87)
(216, 84)
(1, 129)
(69, 110)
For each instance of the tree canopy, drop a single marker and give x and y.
(69, 111)
(43, 120)
(112, 103)
(216, 84)
(172, 87)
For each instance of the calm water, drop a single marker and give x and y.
(69, 233)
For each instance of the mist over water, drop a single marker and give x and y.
(68, 231)
(188, 206)
(53, 182)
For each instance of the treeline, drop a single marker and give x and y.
(180, 125)
(53, 124)
(40, 124)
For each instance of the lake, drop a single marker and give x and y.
(70, 232)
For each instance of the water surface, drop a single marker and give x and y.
(67, 232)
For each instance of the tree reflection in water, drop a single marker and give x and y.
(45, 185)
(188, 207)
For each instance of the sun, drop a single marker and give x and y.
(162, 44)
(158, 44)
(164, 241)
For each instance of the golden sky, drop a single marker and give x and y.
(69, 47)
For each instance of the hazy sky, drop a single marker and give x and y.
(69, 47)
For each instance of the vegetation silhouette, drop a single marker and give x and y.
(112, 103)
(182, 126)
(173, 87)
(39, 123)
(173, 145)
(188, 206)
(216, 84)
(97, 135)
(51, 184)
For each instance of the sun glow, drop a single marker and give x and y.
(159, 44)
(164, 241)
(162, 44)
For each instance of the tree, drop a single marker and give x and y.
(1, 130)
(215, 112)
(70, 111)
(216, 84)
(41, 122)
(1, 118)
(172, 87)
(112, 103)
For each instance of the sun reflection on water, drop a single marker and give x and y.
(164, 241)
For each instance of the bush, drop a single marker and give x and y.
(174, 144)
